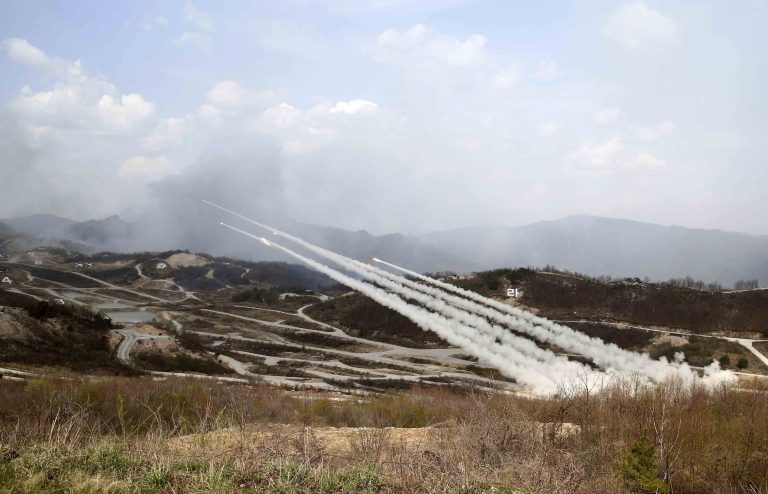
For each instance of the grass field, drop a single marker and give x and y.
(143, 435)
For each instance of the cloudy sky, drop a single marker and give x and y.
(390, 115)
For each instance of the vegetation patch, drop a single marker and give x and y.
(51, 334)
(178, 362)
(360, 316)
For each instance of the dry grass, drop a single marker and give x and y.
(142, 435)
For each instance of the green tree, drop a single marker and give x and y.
(725, 361)
(641, 471)
(742, 363)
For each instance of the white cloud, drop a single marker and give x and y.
(77, 102)
(420, 48)
(508, 77)
(354, 106)
(609, 157)
(200, 37)
(637, 26)
(600, 155)
(167, 133)
(549, 128)
(201, 41)
(546, 71)
(21, 51)
(226, 93)
(607, 115)
(74, 127)
(403, 40)
(209, 112)
(144, 168)
(280, 117)
(125, 111)
(198, 19)
(647, 161)
(150, 23)
(653, 133)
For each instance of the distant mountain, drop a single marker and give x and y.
(407, 250)
(6, 231)
(41, 225)
(106, 232)
(604, 246)
(99, 234)
(587, 244)
(202, 233)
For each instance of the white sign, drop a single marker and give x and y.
(59, 301)
(78, 264)
(7, 280)
(513, 292)
(89, 265)
(162, 265)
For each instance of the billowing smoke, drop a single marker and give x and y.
(476, 312)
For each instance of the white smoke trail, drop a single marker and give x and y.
(607, 355)
(558, 368)
(450, 330)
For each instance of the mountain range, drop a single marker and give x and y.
(586, 244)
(605, 246)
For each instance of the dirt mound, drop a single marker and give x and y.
(316, 442)
(10, 325)
(183, 260)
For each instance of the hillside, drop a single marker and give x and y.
(41, 225)
(6, 231)
(560, 296)
(56, 336)
(96, 233)
(106, 232)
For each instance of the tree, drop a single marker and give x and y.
(746, 284)
(640, 470)
(725, 361)
(742, 363)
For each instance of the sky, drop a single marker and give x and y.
(388, 115)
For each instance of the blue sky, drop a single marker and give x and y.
(391, 115)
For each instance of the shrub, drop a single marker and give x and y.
(640, 470)
(743, 363)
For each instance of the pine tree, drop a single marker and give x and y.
(641, 472)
